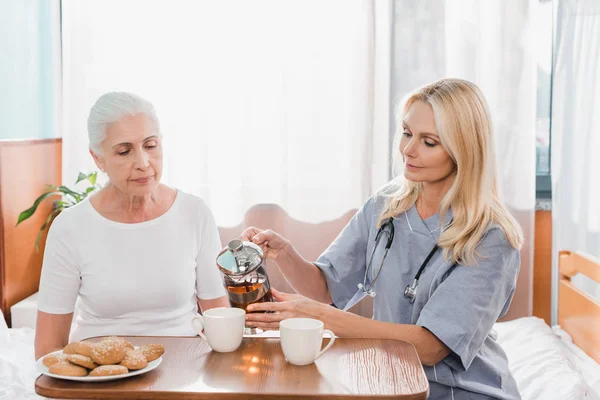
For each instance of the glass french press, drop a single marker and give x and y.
(242, 265)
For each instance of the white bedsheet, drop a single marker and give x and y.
(17, 364)
(540, 362)
(585, 365)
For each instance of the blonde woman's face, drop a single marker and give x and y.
(133, 156)
(425, 160)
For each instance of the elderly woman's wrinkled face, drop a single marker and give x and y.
(132, 156)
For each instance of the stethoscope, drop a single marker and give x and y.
(410, 292)
(390, 238)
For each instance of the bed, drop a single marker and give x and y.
(559, 362)
(563, 361)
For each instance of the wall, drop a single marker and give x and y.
(542, 265)
(25, 168)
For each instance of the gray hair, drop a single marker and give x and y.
(111, 107)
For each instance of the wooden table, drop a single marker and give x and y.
(351, 369)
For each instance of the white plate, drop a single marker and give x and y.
(42, 369)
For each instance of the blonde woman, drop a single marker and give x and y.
(435, 245)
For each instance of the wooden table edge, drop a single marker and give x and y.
(191, 395)
(131, 395)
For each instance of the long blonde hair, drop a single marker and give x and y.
(464, 126)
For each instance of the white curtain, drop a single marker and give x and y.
(576, 135)
(29, 69)
(489, 43)
(285, 101)
(263, 101)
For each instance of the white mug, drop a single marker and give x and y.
(223, 328)
(301, 340)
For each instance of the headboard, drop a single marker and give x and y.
(309, 239)
(26, 166)
(312, 239)
(579, 313)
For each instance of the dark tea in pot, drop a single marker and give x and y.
(242, 265)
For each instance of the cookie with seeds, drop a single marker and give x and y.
(108, 352)
(81, 348)
(67, 369)
(106, 370)
(134, 359)
(152, 351)
(52, 359)
(117, 339)
(82, 361)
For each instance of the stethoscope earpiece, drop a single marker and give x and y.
(369, 292)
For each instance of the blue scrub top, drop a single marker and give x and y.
(459, 304)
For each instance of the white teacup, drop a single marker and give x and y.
(301, 340)
(223, 328)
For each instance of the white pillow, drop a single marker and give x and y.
(537, 361)
(587, 367)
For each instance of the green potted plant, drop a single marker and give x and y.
(69, 197)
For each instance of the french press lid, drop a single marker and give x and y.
(240, 258)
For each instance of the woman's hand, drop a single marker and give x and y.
(271, 243)
(303, 276)
(288, 306)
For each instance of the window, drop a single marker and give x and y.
(503, 47)
(543, 41)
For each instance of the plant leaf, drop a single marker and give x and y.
(52, 214)
(43, 228)
(76, 195)
(92, 177)
(37, 241)
(81, 177)
(31, 210)
(60, 204)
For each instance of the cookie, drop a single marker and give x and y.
(108, 352)
(82, 361)
(105, 370)
(81, 348)
(52, 359)
(120, 340)
(67, 369)
(152, 351)
(134, 359)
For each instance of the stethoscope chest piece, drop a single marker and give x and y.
(411, 291)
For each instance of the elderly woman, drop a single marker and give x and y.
(135, 258)
(436, 245)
